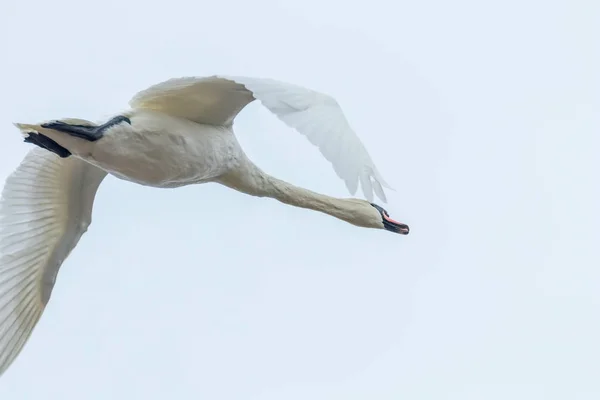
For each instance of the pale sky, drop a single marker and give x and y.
(484, 116)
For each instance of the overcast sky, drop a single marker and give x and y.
(485, 117)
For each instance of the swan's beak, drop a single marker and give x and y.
(390, 224)
(396, 227)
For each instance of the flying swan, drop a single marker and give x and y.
(176, 133)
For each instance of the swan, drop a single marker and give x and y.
(175, 133)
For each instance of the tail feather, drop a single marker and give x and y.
(75, 145)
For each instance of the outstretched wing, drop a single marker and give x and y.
(207, 100)
(45, 208)
(218, 99)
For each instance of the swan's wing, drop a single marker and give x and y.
(46, 206)
(217, 100)
(207, 100)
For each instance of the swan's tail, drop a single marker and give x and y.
(58, 142)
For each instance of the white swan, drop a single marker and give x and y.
(177, 133)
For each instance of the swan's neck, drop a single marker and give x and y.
(253, 181)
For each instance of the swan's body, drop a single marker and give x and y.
(189, 152)
(177, 133)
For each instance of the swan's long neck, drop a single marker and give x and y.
(253, 181)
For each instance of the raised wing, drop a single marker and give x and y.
(209, 100)
(45, 208)
(218, 99)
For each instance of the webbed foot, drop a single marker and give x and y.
(46, 143)
(86, 132)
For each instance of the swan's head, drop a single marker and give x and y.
(388, 223)
(370, 215)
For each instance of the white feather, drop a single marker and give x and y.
(218, 99)
(45, 208)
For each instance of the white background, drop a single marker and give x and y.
(485, 118)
